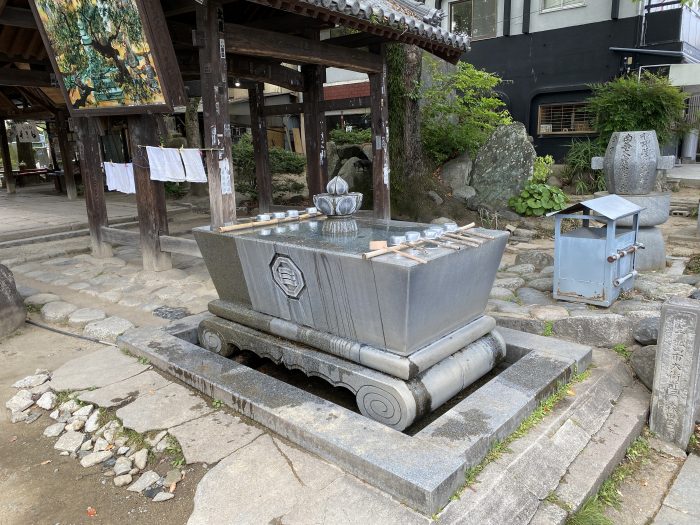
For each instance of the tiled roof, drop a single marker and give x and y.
(404, 15)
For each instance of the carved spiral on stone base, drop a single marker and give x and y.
(388, 407)
(214, 342)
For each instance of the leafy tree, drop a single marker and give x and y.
(461, 110)
(101, 50)
(628, 104)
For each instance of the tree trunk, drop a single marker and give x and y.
(25, 154)
(405, 150)
(194, 140)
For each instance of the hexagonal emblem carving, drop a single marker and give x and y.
(287, 276)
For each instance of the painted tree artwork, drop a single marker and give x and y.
(101, 52)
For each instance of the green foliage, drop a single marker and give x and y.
(217, 403)
(460, 111)
(542, 169)
(356, 136)
(693, 265)
(578, 166)
(281, 161)
(175, 190)
(548, 330)
(622, 351)
(536, 199)
(626, 104)
(174, 450)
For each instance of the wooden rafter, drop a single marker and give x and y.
(17, 17)
(270, 72)
(18, 77)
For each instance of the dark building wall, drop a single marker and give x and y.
(558, 65)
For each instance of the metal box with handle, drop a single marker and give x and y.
(594, 263)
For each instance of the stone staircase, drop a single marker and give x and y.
(552, 471)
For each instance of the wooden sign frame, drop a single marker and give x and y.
(155, 31)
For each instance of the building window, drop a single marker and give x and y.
(553, 5)
(476, 18)
(564, 119)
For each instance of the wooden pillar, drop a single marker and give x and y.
(217, 123)
(380, 139)
(91, 169)
(6, 161)
(66, 155)
(150, 195)
(258, 126)
(315, 130)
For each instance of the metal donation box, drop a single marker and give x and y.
(595, 262)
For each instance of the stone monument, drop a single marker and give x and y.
(675, 392)
(630, 165)
(12, 312)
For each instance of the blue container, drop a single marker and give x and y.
(596, 262)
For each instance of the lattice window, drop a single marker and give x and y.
(564, 119)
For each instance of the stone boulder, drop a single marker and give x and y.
(643, 361)
(502, 167)
(455, 174)
(12, 312)
(536, 258)
(357, 172)
(647, 331)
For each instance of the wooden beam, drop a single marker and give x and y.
(66, 155)
(17, 17)
(217, 123)
(179, 245)
(380, 138)
(6, 161)
(315, 130)
(3, 4)
(120, 237)
(179, 7)
(325, 105)
(19, 77)
(354, 40)
(91, 171)
(258, 126)
(7, 107)
(150, 195)
(247, 41)
(269, 72)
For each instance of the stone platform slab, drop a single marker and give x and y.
(421, 471)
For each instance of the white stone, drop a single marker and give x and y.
(17, 416)
(20, 402)
(32, 381)
(79, 318)
(47, 401)
(140, 458)
(93, 421)
(69, 406)
(86, 446)
(101, 444)
(122, 466)
(121, 481)
(55, 414)
(549, 313)
(54, 430)
(146, 480)
(41, 299)
(70, 441)
(57, 311)
(501, 293)
(84, 411)
(76, 425)
(123, 451)
(97, 369)
(110, 434)
(157, 438)
(163, 496)
(95, 458)
(107, 329)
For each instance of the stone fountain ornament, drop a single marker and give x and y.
(338, 204)
(632, 160)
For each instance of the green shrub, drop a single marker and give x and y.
(461, 109)
(628, 104)
(578, 166)
(281, 160)
(538, 197)
(356, 136)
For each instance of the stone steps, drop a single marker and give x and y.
(592, 428)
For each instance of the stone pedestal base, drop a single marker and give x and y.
(657, 207)
(392, 401)
(653, 257)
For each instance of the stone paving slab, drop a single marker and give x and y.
(277, 483)
(681, 503)
(210, 438)
(117, 394)
(97, 369)
(169, 406)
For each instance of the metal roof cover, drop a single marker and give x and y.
(612, 206)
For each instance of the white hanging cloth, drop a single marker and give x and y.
(194, 167)
(130, 184)
(165, 164)
(111, 176)
(120, 177)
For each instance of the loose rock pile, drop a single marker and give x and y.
(91, 436)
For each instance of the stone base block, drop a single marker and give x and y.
(653, 256)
